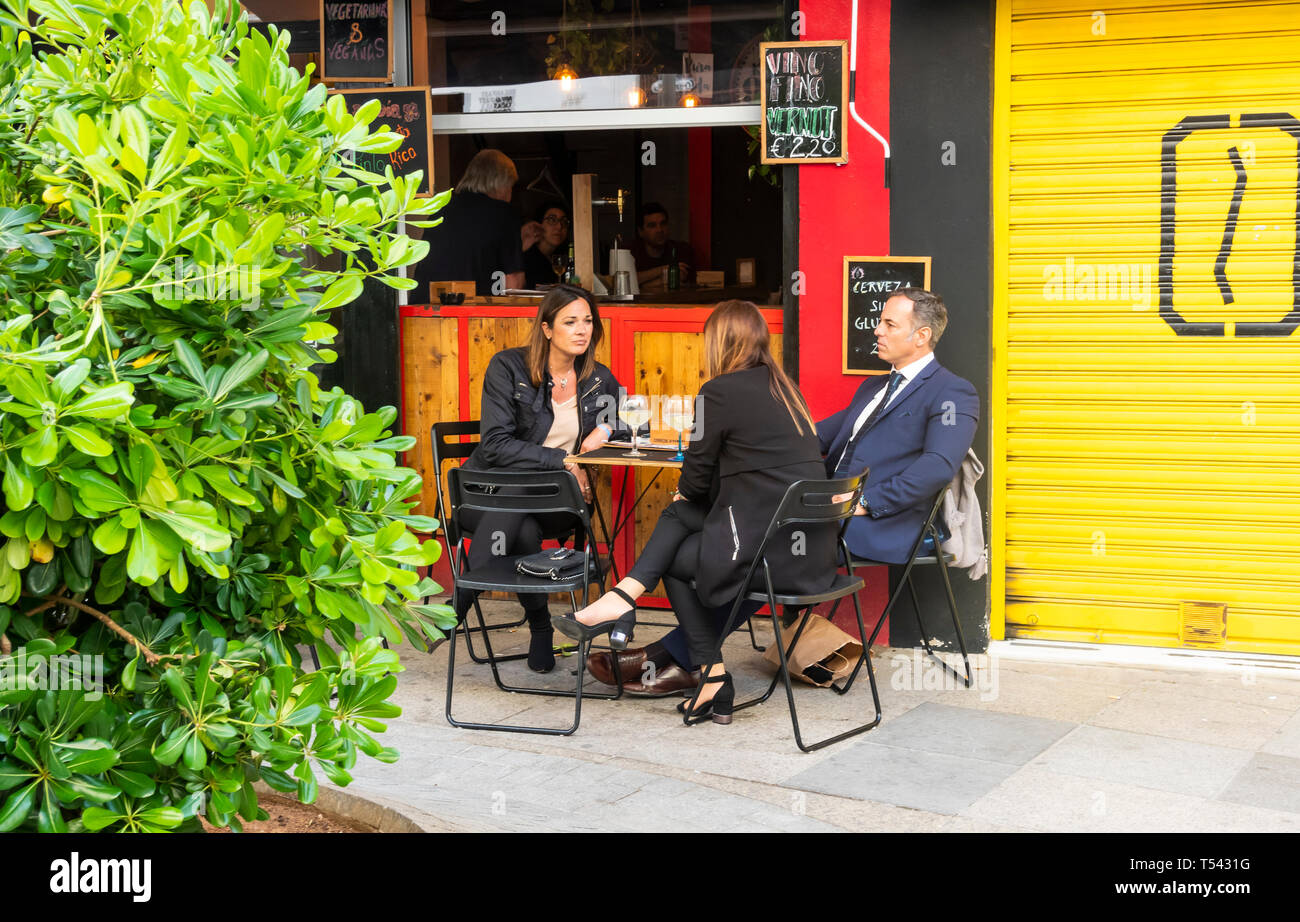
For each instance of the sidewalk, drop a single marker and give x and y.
(1041, 746)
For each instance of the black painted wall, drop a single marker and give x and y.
(367, 348)
(940, 103)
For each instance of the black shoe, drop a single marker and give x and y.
(619, 629)
(718, 707)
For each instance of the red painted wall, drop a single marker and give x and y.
(843, 210)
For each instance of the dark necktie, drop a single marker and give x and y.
(895, 380)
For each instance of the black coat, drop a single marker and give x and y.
(516, 416)
(747, 453)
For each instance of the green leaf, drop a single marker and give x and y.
(97, 491)
(91, 756)
(343, 290)
(68, 380)
(97, 818)
(40, 448)
(88, 441)
(191, 363)
(17, 807)
(170, 750)
(109, 402)
(18, 488)
(12, 774)
(110, 537)
(195, 522)
(50, 817)
(244, 368)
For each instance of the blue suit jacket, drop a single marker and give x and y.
(911, 450)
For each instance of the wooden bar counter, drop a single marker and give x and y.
(654, 347)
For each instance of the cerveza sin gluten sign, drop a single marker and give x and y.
(405, 111)
(356, 40)
(805, 92)
(870, 281)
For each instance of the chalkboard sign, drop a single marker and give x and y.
(406, 111)
(805, 95)
(356, 40)
(870, 281)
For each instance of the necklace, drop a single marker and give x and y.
(560, 381)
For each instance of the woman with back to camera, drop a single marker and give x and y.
(541, 402)
(753, 438)
(539, 259)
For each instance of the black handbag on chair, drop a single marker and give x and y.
(557, 563)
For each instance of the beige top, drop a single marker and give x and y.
(564, 431)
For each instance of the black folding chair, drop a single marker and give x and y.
(926, 549)
(806, 502)
(447, 445)
(529, 492)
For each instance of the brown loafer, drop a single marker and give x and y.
(601, 666)
(671, 681)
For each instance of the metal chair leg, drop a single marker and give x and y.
(968, 679)
(584, 648)
(865, 657)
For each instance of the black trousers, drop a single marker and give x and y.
(507, 534)
(673, 554)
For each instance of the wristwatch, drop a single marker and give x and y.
(862, 501)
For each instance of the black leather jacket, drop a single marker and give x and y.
(516, 416)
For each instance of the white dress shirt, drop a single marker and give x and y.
(907, 373)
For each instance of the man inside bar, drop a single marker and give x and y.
(479, 237)
(654, 251)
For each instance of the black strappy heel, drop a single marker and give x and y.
(718, 707)
(619, 629)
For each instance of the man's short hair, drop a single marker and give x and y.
(488, 172)
(927, 311)
(647, 210)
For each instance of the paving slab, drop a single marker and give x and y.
(1269, 781)
(1286, 741)
(989, 736)
(1039, 799)
(931, 781)
(1155, 762)
(1169, 708)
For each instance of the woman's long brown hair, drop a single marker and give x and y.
(539, 347)
(736, 338)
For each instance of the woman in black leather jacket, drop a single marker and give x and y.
(541, 402)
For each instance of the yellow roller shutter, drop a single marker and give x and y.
(1147, 292)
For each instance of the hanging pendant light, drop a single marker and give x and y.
(566, 75)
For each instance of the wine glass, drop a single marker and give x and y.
(634, 410)
(559, 262)
(678, 413)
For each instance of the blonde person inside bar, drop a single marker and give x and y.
(755, 438)
(541, 403)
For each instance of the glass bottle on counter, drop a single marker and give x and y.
(571, 268)
(674, 271)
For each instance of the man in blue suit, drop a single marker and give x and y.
(909, 429)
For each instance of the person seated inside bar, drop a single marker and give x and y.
(654, 250)
(479, 236)
(541, 266)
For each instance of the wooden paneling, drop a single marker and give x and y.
(430, 389)
(489, 335)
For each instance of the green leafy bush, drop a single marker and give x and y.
(184, 507)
